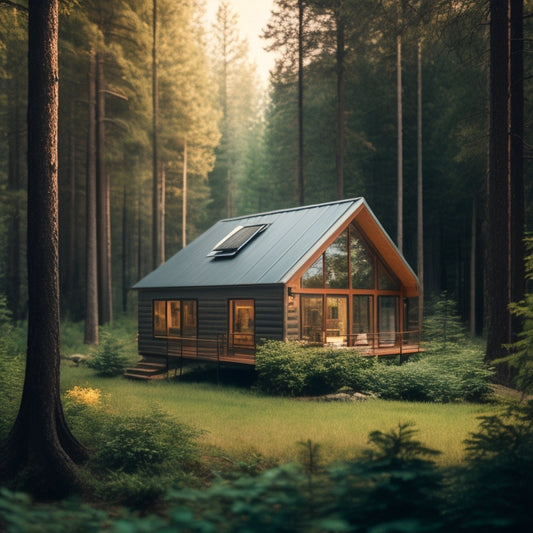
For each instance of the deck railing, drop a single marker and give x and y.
(375, 340)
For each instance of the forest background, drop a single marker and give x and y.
(164, 128)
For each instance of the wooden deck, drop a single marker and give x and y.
(217, 351)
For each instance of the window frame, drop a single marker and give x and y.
(157, 333)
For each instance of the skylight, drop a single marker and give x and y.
(232, 243)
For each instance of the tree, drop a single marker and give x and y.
(91, 286)
(40, 446)
(505, 186)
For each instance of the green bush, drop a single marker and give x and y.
(152, 442)
(292, 369)
(108, 360)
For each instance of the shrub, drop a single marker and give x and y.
(293, 369)
(108, 360)
(150, 442)
(495, 490)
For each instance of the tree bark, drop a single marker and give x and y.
(301, 157)
(157, 225)
(497, 238)
(40, 448)
(184, 199)
(91, 287)
(104, 210)
(399, 239)
(420, 189)
(517, 222)
(341, 75)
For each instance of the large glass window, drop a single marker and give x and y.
(362, 262)
(336, 259)
(314, 276)
(387, 319)
(311, 308)
(174, 318)
(337, 320)
(386, 281)
(160, 318)
(362, 317)
(242, 323)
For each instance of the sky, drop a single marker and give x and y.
(253, 16)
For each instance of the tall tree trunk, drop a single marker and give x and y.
(104, 209)
(72, 212)
(40, 446)
(13, 255)
(157, 226)
(301, 157)
(497, 239)
(341, 71)
(517, 274)
(473, 253)
(184, 198)
(399, 239)
(91, 287)
(124, 262)
(420, 188)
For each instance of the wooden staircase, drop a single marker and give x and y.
(148, 368)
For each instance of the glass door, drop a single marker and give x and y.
(337, 320)
(311, 322)
(362, 320)
(387, 320)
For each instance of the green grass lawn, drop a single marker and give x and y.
(242, 423)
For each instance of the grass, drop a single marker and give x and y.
(242, 424)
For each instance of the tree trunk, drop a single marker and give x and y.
(157, 226)
(13, 262)
(420, 189)
(399, 239)
(473, 252)
(517, 274)
(184, 199)
(91, 288)
(497, 239)
(72, 214)
(301, 158)
(40, 448)
(104, 218)
(341, 71)
(124, 262)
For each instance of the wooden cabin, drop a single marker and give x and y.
(324, 274)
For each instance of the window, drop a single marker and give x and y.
(311, 318)
(314, 276)
(160, 318)
(362, 314)
(386, 281)
(337, 320)
(242, 323)
(174, 318)
(362, 262)
(387, 319)
(232, 243)
(336, 259)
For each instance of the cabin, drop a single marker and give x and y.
(325, 274)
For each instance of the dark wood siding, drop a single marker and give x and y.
(213, 306)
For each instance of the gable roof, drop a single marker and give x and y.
(288, 240)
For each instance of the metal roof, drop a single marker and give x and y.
(291, 237)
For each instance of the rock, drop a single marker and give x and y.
(78, 358)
